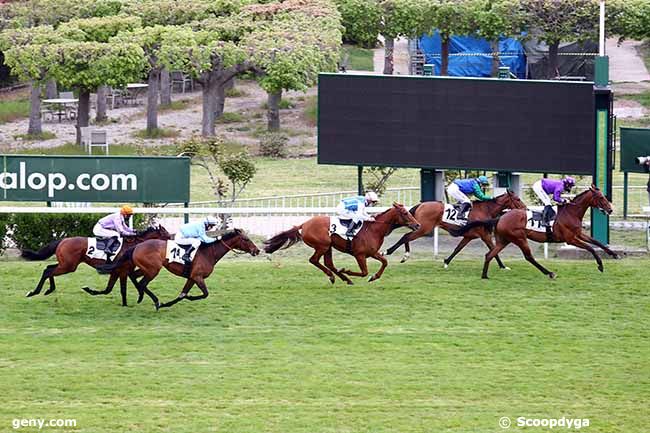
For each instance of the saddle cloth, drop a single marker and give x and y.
(534, 219)
(337, 228)
(96, 248)
(176, 252)
(451, 213)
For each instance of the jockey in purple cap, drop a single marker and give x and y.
(553, 187)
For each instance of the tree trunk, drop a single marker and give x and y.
(165, 88)
(553, 50)
(273, 113)
(209, 90)
(35, 127)
(230, 84)
(152, 100)
(83, 112)
(495, 58)
(389, 48)
(221, 99)
(51, 91)
(102, 91)
(444, 55)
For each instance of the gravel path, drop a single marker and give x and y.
(625, 64)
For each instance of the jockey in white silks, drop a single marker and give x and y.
(352, 210)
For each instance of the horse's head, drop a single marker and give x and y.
(241, 242)
(155, 232)
(599, 201)
(404, 217)
(512, 200)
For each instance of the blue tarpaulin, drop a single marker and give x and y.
(473, 65)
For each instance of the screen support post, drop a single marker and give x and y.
(602, 174)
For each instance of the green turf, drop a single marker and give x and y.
(275, 348)
(11, 110)
(359, 59)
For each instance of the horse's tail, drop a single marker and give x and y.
(110, 267)
(42, 254)
(487, 224)
(283, 240)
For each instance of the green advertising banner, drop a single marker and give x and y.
(119, 179)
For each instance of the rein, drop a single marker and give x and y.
(231, 249)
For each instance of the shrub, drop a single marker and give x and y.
(274, 145)
(230, 118)
(4, 219)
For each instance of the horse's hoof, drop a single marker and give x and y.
(485, 277)
(332, 279)
(88, 290)
(617, 257)
(505, 268)
(601, 269)
(447, 266)
(384, 253)
(552, 276)
(350, 283)
(371, 279)
(140, 298)
(29, 294)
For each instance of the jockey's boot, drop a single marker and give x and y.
(547, 216)
(464, 209)
(186, 256)
(351, 227)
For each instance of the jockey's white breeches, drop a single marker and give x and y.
(454, 191)
(539, 191)
(101, 232)
(182, 240)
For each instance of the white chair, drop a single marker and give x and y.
(178, 77)
(66, 95)
(114, 98)
(98, 138)
(85, 136)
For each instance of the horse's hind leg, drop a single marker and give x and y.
(528, 255)
(463, 242)
(330, 265)
(315, 260)
(109, 287)
(501, 244)
(47, 274)
(204, 290)
(487, 240)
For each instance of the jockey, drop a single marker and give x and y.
(352, 210)
(546, 186)
(460, 188)
(112, 226)
(195, 233)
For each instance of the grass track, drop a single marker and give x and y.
(276, 349)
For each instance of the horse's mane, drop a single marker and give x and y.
(148, 230)
(225, 237)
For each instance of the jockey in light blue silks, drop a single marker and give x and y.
(461, 188)
(352, 210)
(195, 233)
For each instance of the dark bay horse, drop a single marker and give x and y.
(70, 252)
(149, 257)
(315, 233)
(511, 228)
(429, 214)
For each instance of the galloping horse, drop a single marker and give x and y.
(70, 252)
(511, 228)
(429, 214)
(315, 233)
(149, 257)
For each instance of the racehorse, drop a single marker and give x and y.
(511, 228)
(315, 233)
(70, 252)
(429, 214)
(149, 257)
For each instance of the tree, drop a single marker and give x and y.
(496, 18)
(449, 17)
(87, 65)
(238, 168)
(554, 21)
(26, 53)
(628, 19)
(296, 42)
(32, 13)
(361, 20)
(151, 39)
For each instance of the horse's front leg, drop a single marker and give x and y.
(123, 289)
(361, 260)
(585, 237)
(188, 285)
(384, 263)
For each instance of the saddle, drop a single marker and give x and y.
(340, 227)
(109, 245)
(103, 248)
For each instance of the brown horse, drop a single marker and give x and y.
(429, 215)
(511, 228)
(315, 233)
(70, 252)
(149, 257)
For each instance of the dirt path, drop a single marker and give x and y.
(625, 64)
(400, 57)
(125, 122)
